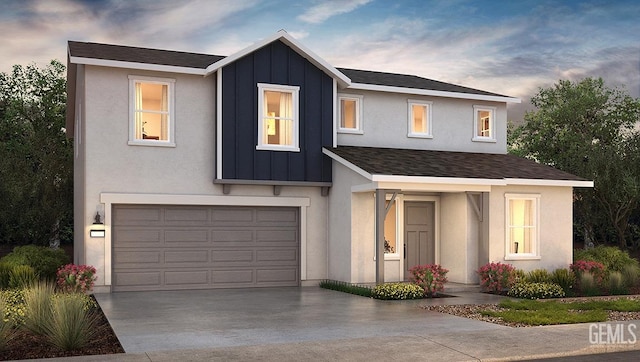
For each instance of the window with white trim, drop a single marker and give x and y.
(350, 113)
(522, 226)
(151, 104)
(419, 122)
(390, 229)
(278, 117)
(484, 123)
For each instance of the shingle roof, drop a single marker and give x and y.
(202, 61)
(425, 163)
(141, 55)
(408, 81)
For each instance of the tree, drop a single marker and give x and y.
(588, 129)
(36, 158)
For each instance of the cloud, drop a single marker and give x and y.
(326, 9)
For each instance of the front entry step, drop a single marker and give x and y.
(460, 287)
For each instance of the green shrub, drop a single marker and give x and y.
(613, 258)
(5, 269)
(38, 310)
(22, 276)
(397, 291)
(631, 276)
(616, 284)
(72, 325)
(565, 278)
(538, 276)
(7, 330)
(44, 260)
(528, 290)
(588, 285)
(346, 287)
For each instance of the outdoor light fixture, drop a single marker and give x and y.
(97, 229)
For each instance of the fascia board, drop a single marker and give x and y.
(427, 92)
(283, 36)
(536, 182)
(347, 164)
(133, 65)
(438, 180)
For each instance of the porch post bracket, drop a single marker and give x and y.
(477, 205)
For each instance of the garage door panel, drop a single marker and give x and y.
(232, 216)
(137, 237)
(276, 276)
(283, 255)
(186, 236)
(186, 216)
(281, 237)
(233, 276)
(192, 277)
(232, 237)
(137, 215)
(193, 256)
(140, 278)
(288, 217)
(232, 256)
(136, 257)
(182, 247)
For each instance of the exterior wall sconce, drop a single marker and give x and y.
(97, 229)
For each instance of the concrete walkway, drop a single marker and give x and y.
(293, 324)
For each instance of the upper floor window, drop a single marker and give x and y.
(350, 113)
(278, 117)
(484, 123)
(522, 215)
(151, 120)
(419, 119)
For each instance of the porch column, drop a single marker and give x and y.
(380, 216)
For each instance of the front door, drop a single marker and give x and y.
(419, 234)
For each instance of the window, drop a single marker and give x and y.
(390, 226)
(277, 117)
(522, 226)
(419, 119)
(152, 119)
(484, 124)
(350, 113)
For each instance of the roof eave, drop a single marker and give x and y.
(343, 80)
(134, 65)
(428, 92)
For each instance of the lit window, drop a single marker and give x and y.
(522, 226)
(419, 119)
(390, 234)
(350, 113)
(277, 118)
(484, 124)
(151, 120)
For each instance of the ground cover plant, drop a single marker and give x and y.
(42, 319)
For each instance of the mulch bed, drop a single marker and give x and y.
(27, 345)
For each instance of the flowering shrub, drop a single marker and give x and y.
(429, 277)
(76, 278)
(594, 268)
(497, 277)
(529, 290)
(397, 291)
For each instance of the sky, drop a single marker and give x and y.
(508, 47)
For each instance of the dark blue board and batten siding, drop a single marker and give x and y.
(275, 63)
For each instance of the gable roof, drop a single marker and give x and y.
(140, 58)
(408, 81)
(384, 164)
(204, 64)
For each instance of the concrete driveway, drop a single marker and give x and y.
(205, 319)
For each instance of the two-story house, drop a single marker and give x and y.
(271, 167)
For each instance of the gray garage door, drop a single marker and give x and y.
(200, 247)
